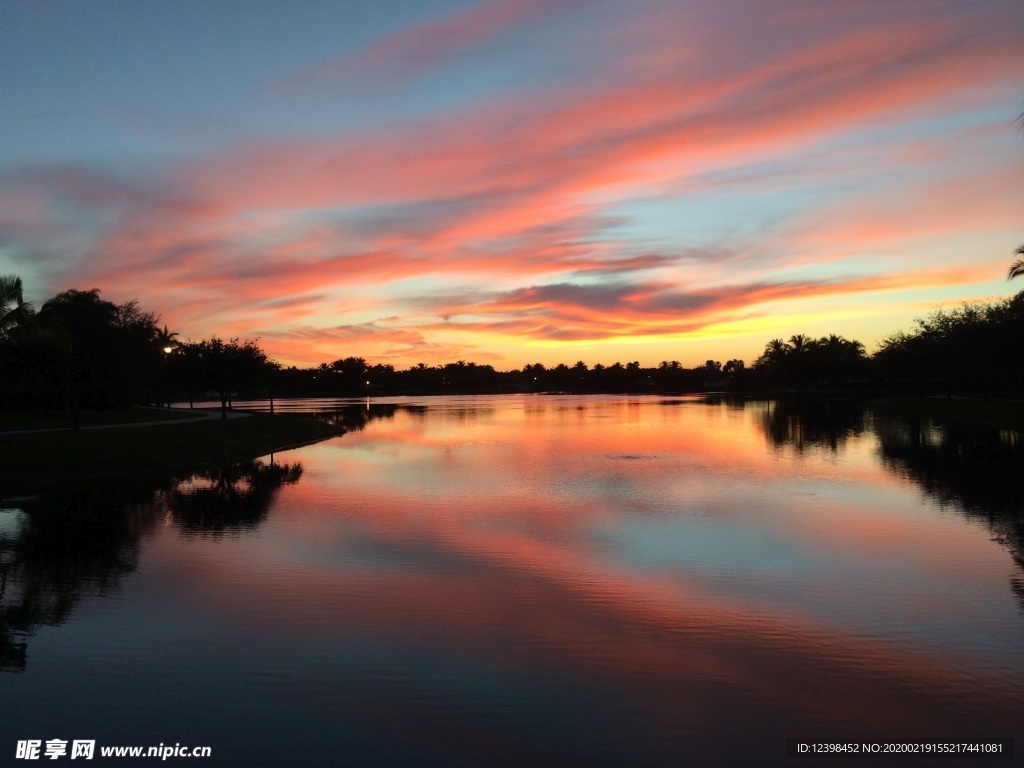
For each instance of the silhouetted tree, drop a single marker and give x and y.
(733, 368)
(227, 366)
(14, 310)
(103, 353)
(669, 374)
(772, 364)
(804, 361)
(350, 376)
(833, 359)
(1018, 266)
(963, 347)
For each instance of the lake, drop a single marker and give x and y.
(532, 580)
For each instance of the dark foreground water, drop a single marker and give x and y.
(532, 581)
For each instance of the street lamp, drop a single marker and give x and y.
(167, 395)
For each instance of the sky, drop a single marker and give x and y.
(514, 181)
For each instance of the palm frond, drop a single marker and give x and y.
(14, 310)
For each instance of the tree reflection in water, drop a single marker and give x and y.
(976, 471)
(64, 547)
(803, 424)
(355, 418)
(228, 499)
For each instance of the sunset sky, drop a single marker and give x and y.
(514, 181)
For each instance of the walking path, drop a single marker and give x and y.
(204, 415)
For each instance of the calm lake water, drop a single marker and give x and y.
(528, 581)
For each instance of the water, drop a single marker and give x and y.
(532, 580)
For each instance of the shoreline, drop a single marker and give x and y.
(40, 461)
(33, 461)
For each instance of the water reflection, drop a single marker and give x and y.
(980, 472)
(546, 581)
(64, 547)
(355, 418)
(803, 424)
(228, 499)
(976, 471)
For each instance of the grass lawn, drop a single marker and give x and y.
(13, 420)
(34, 462)
(994, 414)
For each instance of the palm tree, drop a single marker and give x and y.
(1018, 265)
(166, 340)
(14, 310)
(775, 349)
(799, 343)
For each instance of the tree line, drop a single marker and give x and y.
(972, 349)
(82, 351)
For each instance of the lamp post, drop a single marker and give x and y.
(167, 397)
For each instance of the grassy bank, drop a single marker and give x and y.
(33, 462)
(32, 419)
(994, 414)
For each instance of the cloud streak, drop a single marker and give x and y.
(426, 46)
(573, 312)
